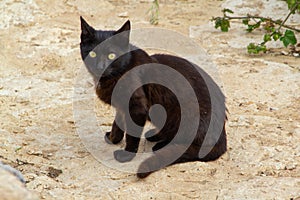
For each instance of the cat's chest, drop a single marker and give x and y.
(104, 90)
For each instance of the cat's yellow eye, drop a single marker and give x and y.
(111, 56)
(93, 54)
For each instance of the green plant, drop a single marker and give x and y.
(292, 3)
(154, 12)
(272, 27)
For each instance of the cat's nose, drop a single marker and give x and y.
(101, 66)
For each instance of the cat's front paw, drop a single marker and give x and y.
(107, 138)
(112, 139)
(123, 156)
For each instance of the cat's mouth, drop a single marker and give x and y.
(111, 73)
(105, 73)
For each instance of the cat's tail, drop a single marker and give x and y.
(178, 153)
(163, 158)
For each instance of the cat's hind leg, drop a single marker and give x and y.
(160, 159)
(160, 145)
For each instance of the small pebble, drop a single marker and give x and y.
(273, 109)
(284, 53)
(291, 166)
(296, 54)
(123, 15)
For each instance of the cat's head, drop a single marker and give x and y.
(104, 52)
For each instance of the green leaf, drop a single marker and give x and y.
(292, 3)
(154, 13)
(227, 10)
(252, 27)
(256, 48)
(267, 37)
(262, 19)
(276, 35)
(288, 38)
(251, 48)
(246, 21)
(218, 22)
(224, 24)
(18, 148)
(270, 28)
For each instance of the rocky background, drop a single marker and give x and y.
(40, 58)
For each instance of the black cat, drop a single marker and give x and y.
(111, 60)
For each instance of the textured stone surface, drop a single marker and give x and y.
(39, 54)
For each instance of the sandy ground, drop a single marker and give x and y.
(39, 63)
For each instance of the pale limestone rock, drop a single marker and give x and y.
(11, 188)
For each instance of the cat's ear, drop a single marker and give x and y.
(125, 27)
(124, 32)
(86, 29)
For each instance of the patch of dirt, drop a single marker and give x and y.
(40, 59)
